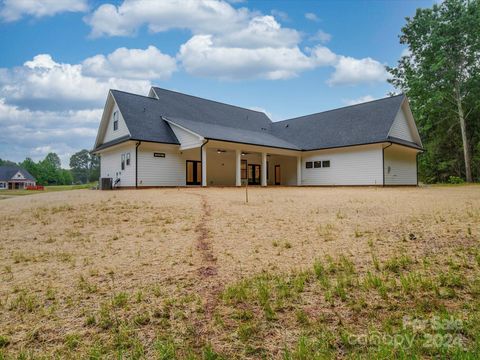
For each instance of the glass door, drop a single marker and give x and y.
(194, 172)
(253, 174)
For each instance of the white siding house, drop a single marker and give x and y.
(173, 139)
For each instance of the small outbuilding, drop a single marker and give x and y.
(15, 177)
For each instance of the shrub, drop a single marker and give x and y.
(455, 180)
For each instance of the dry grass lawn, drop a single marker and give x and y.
(197, 273)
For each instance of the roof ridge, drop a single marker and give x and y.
(340, 108)
(215, 101)
(129, 93)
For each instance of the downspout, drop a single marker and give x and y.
(136, 163)
(383, 161)
(201, 154)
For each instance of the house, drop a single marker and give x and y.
(15, 177)
(173, 139)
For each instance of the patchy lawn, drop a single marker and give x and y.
(307, 273)
(6, 194)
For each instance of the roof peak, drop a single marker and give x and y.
(201, 98)
(129, 93)
(342, 107)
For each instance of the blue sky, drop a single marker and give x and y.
(287, 58)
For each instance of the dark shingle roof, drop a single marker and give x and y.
(357, 124)
(226, 133)
(352, 125)
(142, 115)
(193, 108)
(7, 172)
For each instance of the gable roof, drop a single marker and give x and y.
(188, 107)
(147, 119)
(7, 172)
(233, 134)
(357, 124)
(142, 116)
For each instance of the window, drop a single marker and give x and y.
(317, 164)
(128, 159)
(243, 169)
(326, 163)
(2, 185)
(308, 164)
(115, 121)
(123, 161)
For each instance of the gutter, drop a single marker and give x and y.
(383, 161)
(136, 163)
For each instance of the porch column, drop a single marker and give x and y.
(264, 169)
(299, 170)
(238, 162)
(204, 166)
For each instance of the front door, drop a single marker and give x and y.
(253, 174)
(277, 174)
(194, 172)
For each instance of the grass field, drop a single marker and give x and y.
(6, 194)
(308, 273)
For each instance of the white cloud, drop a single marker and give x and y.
(359, 100)
(13, 10)
(282, 15)
(261, 31)
(323, 56)
(258, 108)
(44, 83)
(227, 43)
(321, 36)
(35, 133)
(350, 71)
(312, 17)
(203, 57)
(150, 63)
(47, 106)
(200, 16)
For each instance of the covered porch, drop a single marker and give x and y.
(233, 164)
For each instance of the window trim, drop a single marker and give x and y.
(244, 171)
(115, 120)
(123, 162)
(127, 158)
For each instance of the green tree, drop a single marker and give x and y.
(30, 165)
(441, 76)
(6, 163)
(48, 171)
(85, 166)
(65, 177)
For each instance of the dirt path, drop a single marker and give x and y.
(209, 285)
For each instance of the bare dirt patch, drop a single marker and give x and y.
(144, 272)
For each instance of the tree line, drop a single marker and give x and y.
(440, 74)
(84, 168)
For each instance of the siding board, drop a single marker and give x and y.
(400, 127)
(400, 166)
(187, 139)
(110, 165)
(163, 171)
(122, 130)
(358, 165)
